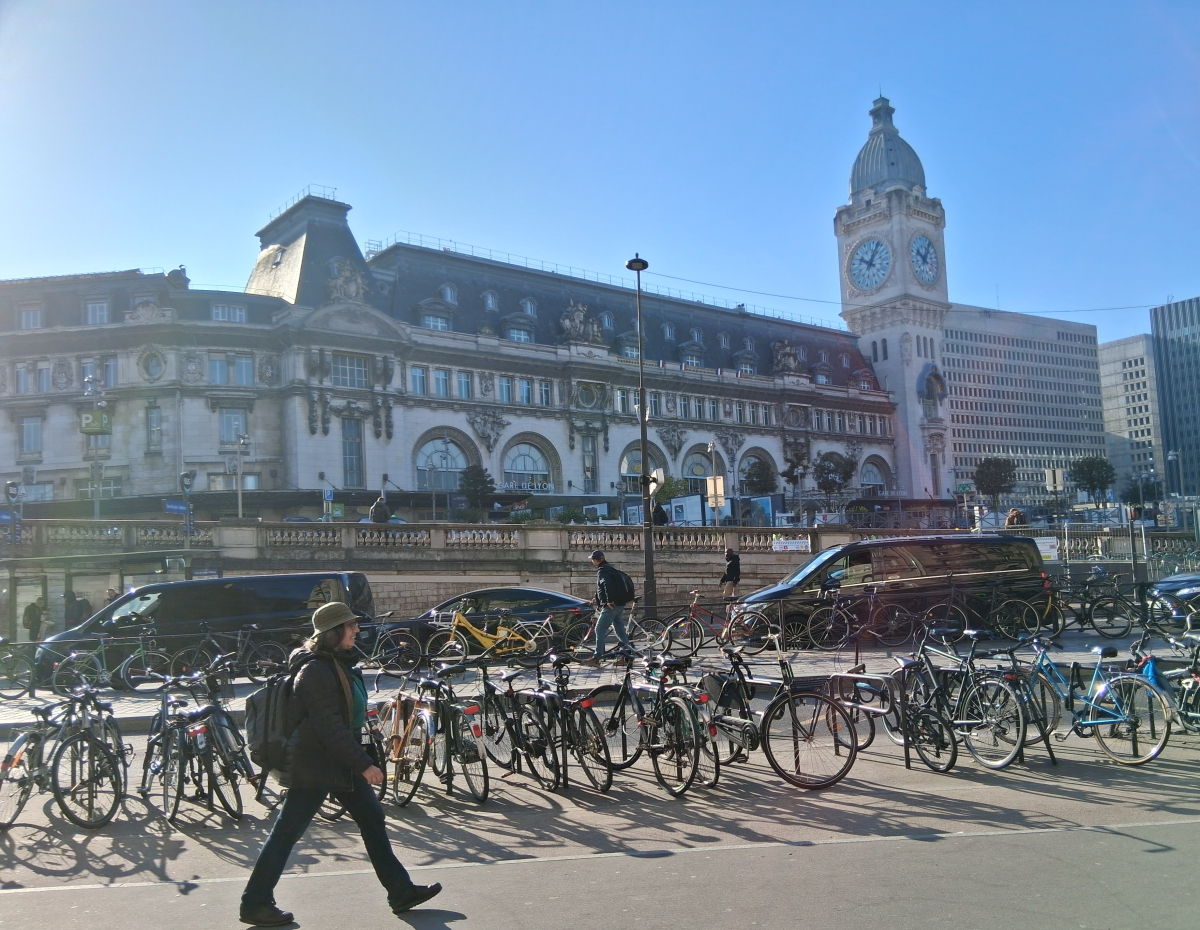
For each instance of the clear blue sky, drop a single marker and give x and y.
(716, 139)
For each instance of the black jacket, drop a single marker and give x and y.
(607, 580)
(733, 569)
(324, 751)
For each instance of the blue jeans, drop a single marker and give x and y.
(299, 808)
(611, 617)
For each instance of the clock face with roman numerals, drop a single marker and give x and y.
(870, 264)
(924, 258)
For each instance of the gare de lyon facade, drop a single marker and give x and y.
(333, 369)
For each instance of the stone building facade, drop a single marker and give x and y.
(1129, 383)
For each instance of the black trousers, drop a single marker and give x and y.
(297, 812)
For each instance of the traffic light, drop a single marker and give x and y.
(185, 481)
(13, 491)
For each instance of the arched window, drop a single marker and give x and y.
(723, 340)
(748, 344)
(439, 465)
(696, 467)
(803, 353)
(932, 350)
(526, 469)
(668, 331)
(697, 336)
(874, 351)
(871, 480)
(822, 355)
(449, 294)
(606, 320)
(529, 307)
(631, 470)
(845, 360)
(490, 301)
(883, 348)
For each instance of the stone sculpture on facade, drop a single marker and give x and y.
(62, 375)
(313, 412)
(786, 358)
(488, 426)
(731, 441)
(672, 438)
(348, 283)
(578, 327)
(193, 368)
(148, 311)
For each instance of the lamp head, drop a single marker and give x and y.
(637, 263)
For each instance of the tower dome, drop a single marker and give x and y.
(886, 160)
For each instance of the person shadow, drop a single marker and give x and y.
(432, 918)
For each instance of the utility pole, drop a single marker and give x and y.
(637, 264)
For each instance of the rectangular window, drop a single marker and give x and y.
(766, 414)
(348, 371)
(862, 423)
(218, 370)
(525, 390)
(518, 334)
(31, 435)
(418, 381)
(655, 401)
(464, 385)
(683, 407)
(96, 312)
(714, 412)
(441, 382)
(87, 370)
(622, 401)
(754, 414)
(42, 491)
(22, 379)
(233, 424)
(871, 425)
(29, 319)
(544, 395)
(739, 412)
(153, 427)
(100, 443)
(227, 313)
(352, 453)
(506, 390)
(109, 487)
(433, 321)
(591, 477)
(243, 370)
(828, 422)
(43, 377)
(219, 481)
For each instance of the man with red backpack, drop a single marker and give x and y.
(614, 589)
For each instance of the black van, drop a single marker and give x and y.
(915, 572)
(283, 603)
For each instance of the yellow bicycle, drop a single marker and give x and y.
(507, 637)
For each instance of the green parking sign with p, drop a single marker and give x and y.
(95, 422)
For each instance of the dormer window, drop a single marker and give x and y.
(629, 351)
(29, 318)
(490, 301)
(822, 355)
(747, 368)
(845, 360)
(528, 307)
(668, 331)
(803, 351)
(696, 336)
(606, 320)
(693, 360)
(448, 293)
(435, 321)
(865, 385)
(518, 334)
(822, 378)
(723, 340)
(748, 344)
(95, 312)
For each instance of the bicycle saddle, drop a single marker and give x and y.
(733, 650)
(44, 712)
(200, 713)
(560, 660)
(668, 662)
(1105, 652)
(510, 675)
(977, 634)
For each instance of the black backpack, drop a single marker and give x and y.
(620, 589)
(267, 722)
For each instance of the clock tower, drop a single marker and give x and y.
(893, 281)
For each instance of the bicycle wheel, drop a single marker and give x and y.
(1045, 703)
(575, 634)
(1136, 720)
(829, 629)
(76, 671)
(331, 808)
(537, 636)
(1110, 616)
(799, 743)
(264, 659)
(469, 754)
(411, 757)
(1013, 618)
(447, 644)
(223, 780)
(752, 631)
(16, 778)
(862, 733)
(674, 745)
(949, 620)
(591, 748)
(145, 672)
(992, 722)
(399, 653)
(933, 739)
(230, 745)
(191, 658)
(895, 627)
(536, 750)
(708, 761)
(685, 636)
(618, 716)
(16, 675)
(647, 634)
(795, 633)
(86, 780)
(497, 733)
(173, 771)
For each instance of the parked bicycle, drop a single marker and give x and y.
(252, 656)
(142, 670)
(16, 672)
(700, 627)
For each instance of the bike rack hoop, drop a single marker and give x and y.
(844, 687)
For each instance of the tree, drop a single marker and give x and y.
(832, 472)
(672, 487)
(477, 486)
(796, 459)
(995, 476)
(1094, 474)
(760, 478)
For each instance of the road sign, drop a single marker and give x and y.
(1055, 479)
(328, 493)
(716, 491)
(180, 507)
(338, 511)
(95, 422)
(966, 487)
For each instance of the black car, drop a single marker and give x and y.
(916, 572)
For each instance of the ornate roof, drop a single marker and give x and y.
(886, 160)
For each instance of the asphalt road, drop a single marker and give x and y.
(1084, 843)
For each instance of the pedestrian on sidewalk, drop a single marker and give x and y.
(326, 714)
(733, 573)
(32, 618)
(613, 591)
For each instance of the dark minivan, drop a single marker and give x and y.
(177, 609)
(915, 572)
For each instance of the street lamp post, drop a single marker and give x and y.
(637, 264)
(243, 444)
(432, 489)
(93, 387)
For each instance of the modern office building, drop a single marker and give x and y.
(968, 382)
(1176, 332)
(1129, 388)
